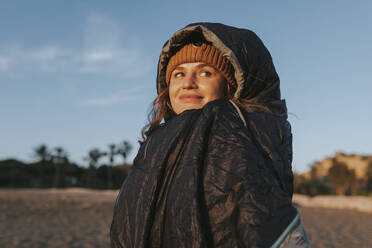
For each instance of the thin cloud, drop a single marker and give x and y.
(124, 62)
(43, 59)
(45, 54)
(104, 49)
(116, 98)
(4, 63)
(108, 48)
(98, 56)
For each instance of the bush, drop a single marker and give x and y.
(342, 179)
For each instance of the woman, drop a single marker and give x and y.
(217, 171)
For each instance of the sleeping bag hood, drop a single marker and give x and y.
(256, 78)
(219, 176)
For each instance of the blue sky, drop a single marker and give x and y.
(81, 74)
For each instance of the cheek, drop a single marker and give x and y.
(218, 90)
(172, 93)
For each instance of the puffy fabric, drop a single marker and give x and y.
(204, 178)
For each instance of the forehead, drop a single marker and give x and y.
(196, 65)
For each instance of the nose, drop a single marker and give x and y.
(190, 81)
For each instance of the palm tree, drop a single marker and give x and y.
(125, 149)
(60, 156)
(59, 159)
(93, 157)
(42, 153)
(113, 151)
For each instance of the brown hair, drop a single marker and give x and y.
(156, 115)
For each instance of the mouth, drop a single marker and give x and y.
(190, 97)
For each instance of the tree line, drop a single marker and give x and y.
(53, 169)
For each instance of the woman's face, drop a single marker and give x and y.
(192, 85)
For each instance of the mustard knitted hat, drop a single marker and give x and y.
(205, 53)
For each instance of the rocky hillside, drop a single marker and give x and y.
(358, 163)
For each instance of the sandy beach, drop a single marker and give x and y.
(81, 218)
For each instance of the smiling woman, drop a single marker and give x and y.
(195, 75)
(217, 171)
(193, 85)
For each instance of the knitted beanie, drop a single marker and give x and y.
(208, 54)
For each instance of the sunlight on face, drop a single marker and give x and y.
(192, 85)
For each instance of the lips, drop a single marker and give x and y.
(190, 97)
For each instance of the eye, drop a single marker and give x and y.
(205, 73)
(178, 74)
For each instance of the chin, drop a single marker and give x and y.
(198, 106)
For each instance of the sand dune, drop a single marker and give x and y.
(359, 203)
(81, 218)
